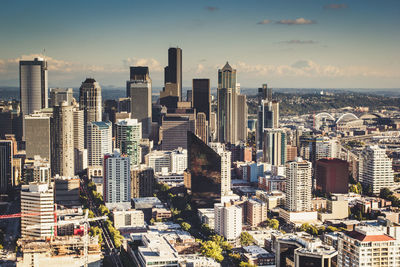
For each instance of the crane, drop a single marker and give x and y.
(85, 222)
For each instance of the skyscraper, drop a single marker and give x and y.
(298, 185)
(80, 153)
(174, 128)
(117, 180)
(274, 148)
(37, 135)
(6, 166)
(375, 169)
(201, 96)
(228, 221)
(62, 141)
(241, 117)
(264, 93)
(142, 182)
(129, 134)
(90, 102)
(33, 85)
(139, 90)
(268, 117)
(226, 94)
(99, 142)
(173, 72)
(59, 95)
(202, 127)
(332, 176)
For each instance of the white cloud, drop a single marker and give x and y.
(152, 63)
(298, 21)
(265, 21)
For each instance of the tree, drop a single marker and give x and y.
(246, 239)
(96, 231)
(212, 250)
(220, 240)
(385, 193)
(185, 226)
(246, 264)
(152, 221)
(103, 210)
(274, 224)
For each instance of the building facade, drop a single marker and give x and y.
(298, 185)
(99, 142)
(117, 179)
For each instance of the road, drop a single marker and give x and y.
(11, 226)
(109, 244)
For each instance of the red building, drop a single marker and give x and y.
(332, 176)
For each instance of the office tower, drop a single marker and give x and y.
(128, 136)
(37, 170)
(189, 96)
(323, 147)
(37, 135)
(178, 160)
(173, 72)
(173, 130)
(274, 146)
(11, 122)
(80, 153)
(139, 87)
(117, 180)
(213, 126)
(298, 185)
(375, 169)
(33, 85)
(124, 104)
(99, 142)
(6, 166)
(142, 182)
(66, 191)
(241, 118)
(228, 221)
(38, 199)
(291, 153)
(90, 102)
(226, 94)
(268, 117)
(257, 212)
(370, 246)
(59, 95)
(208, 174)
(264, 93)
(167, 161)
(202, 127)
(201, 96)
(62, 141)
(332, 176)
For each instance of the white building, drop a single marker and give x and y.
(37, 200)
(367, 246)
(117, 180)
(178, 160)
(225, 168)
(128, 136)
(167, 161)
(298, 185)
(228, 221)
(326, 148)
(99, 142)
(128, 218)
(375, 169)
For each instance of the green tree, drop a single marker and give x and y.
(274, 224)
(96, 231)
(385, 193)
(246, 264)
(246, 239)
(103, 210)
(212, 250)
(185, 226)
(152, 221)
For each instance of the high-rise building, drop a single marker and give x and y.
(37, 170)
(37, 135)
(173, 130)
(201, 96)
(59, 95)
(291, 153)
(90, 102)
(202, 126)
(139, 90)
(6, 166)
(37, 198)
(268, 117)
(323, 147)
(226, 94)
(33, 85)
(298, 185)
(228, 221)
(128, 136)
(173, 72)
(264, 93)
(80, 153)
(225, 170)
(99, 142)
(367, 246)
(117, 179)
(142, 182)
(241, 117)
(375, 169)
(257, 212)
(332, 176)
(66, 191)
(274, 146)
(62, 141)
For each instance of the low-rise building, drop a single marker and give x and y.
(258, 256)
(128, 219)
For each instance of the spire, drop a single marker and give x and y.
(227, 66)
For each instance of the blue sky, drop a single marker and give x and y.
(298, 43)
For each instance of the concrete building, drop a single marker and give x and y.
(337, 209)
(257, 212)
(128, 219)
(142, 182)
(6, 166)
(291, 153)
(241, 117)
(228, 221)
(62, 141)
(60, 95)
(80, 153)
(332, 176)
(274, 147)
(99, 142)
(37, 170)
(90, 102)
(298, 185)
(117, 180)
(375, 169)
(167, 161)
(139, 90)
(202, 127)
(37, 135)
(38, 199)
(174, 129)
(173, 72)
(128, 136)
(225, 170)
(66, 191)
(367, 246)
(268, 118)
(207, 216)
